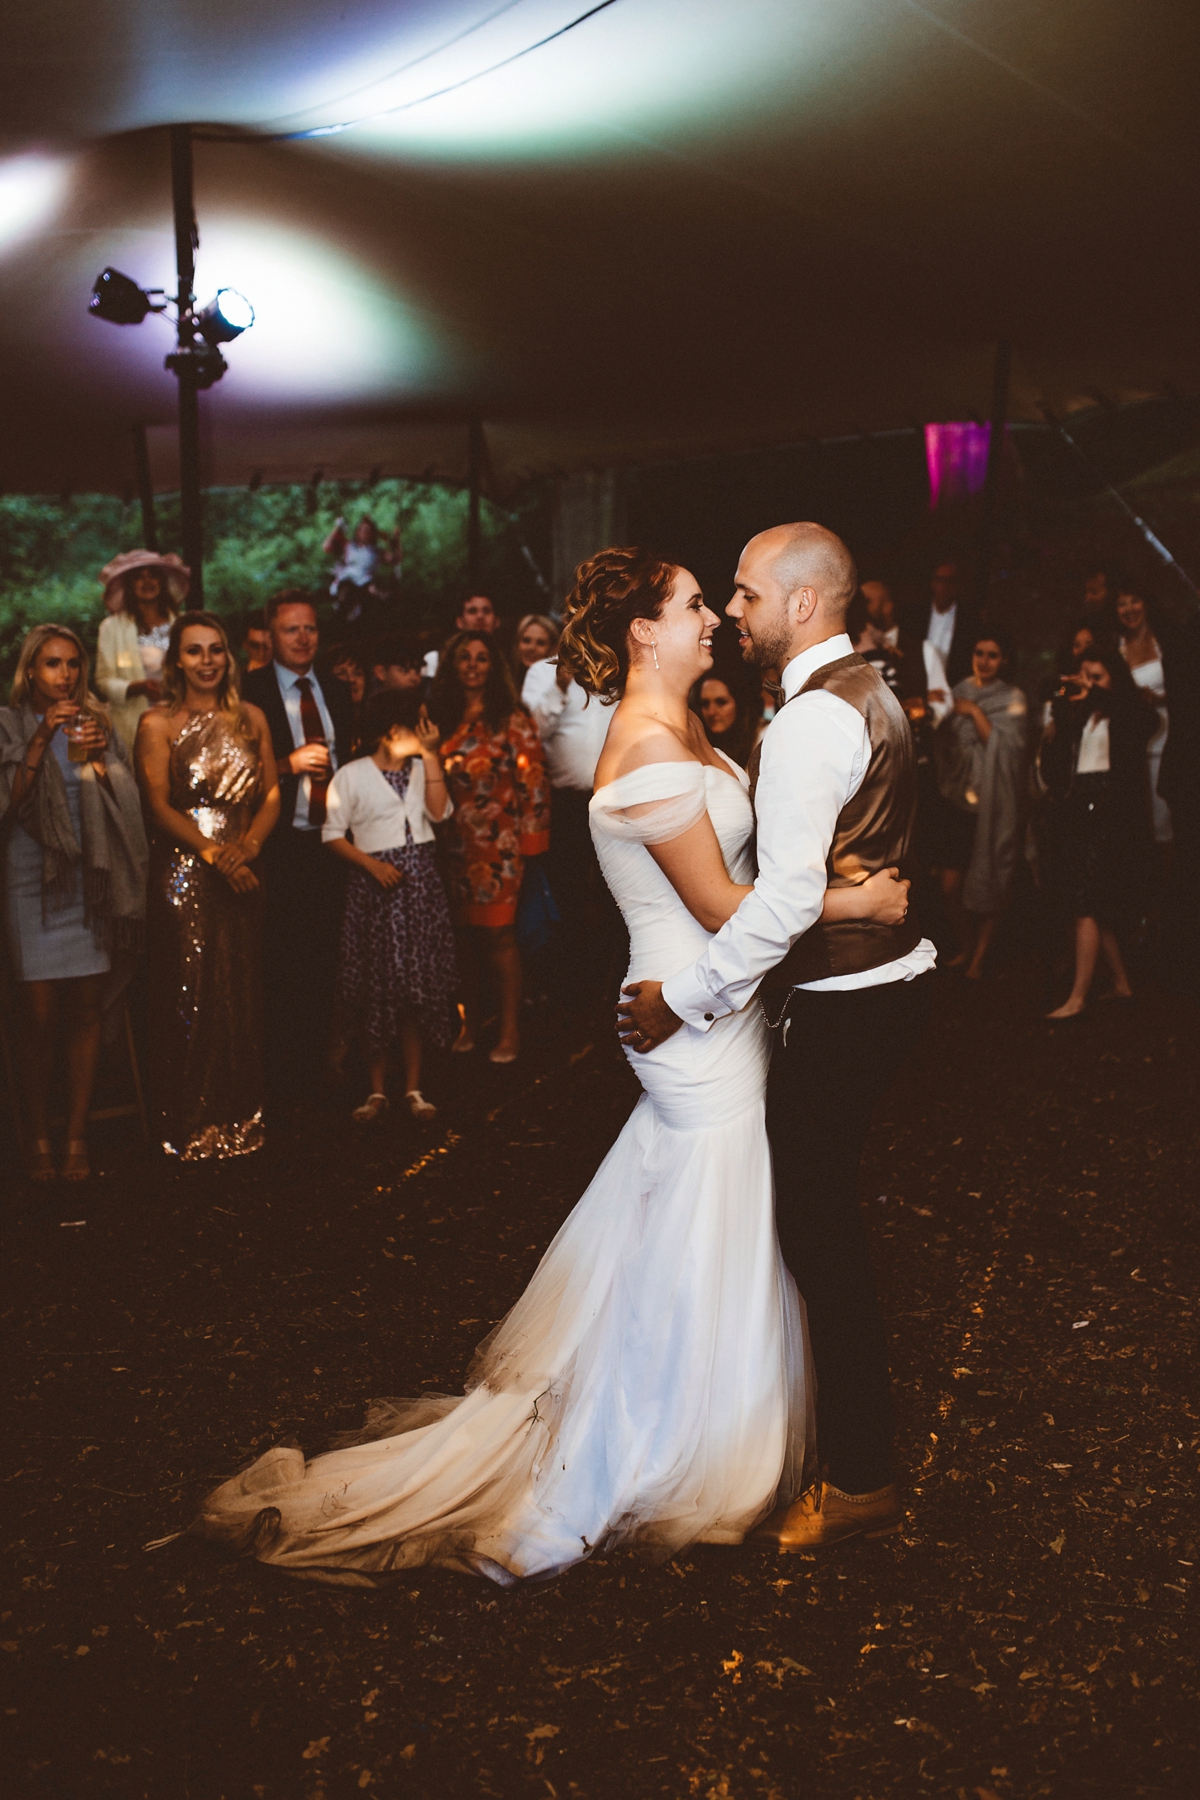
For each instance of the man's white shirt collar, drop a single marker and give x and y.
(797, 672)
(289, 677)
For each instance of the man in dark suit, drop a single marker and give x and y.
(950, 619)
(886, 642)
(312, 732)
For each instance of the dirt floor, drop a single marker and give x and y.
(1032, 1194)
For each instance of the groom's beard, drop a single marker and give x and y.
(770, 651)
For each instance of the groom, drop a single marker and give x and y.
(834, 785)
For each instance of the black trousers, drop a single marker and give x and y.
(841, 1052)
(304, 887)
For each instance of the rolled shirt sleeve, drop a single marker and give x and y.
(814, 756)
(543, 696)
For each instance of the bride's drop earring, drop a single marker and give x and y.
(654, 654)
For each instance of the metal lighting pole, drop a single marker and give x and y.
(185, 360)
(141, 463)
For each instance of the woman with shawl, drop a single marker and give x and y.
(980, 756)
(75, 858)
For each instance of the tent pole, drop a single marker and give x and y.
(474, 476)
(186, 241)
(141, 461)
(1155, 543)
(1001, 369)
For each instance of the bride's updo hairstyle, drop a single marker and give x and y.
(611, 591)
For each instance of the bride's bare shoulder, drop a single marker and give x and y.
(634, 741)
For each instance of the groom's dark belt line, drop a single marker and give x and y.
(874, 831)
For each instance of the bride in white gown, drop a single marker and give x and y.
(650, 1385)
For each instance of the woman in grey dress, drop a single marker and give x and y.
(74, 853)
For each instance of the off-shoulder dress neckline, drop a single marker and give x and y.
(734, 770)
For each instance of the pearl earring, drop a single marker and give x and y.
(654, 653)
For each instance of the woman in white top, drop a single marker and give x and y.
(1143, 653)
(397, 977)
(143, 592)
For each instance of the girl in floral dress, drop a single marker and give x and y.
(497, 781)
(397, 980)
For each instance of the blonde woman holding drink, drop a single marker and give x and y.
(75, 868)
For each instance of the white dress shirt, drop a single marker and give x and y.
(814, 757)
(572, 727)
(941, 630)
(287, 679)
(1093, 757)
(362, 802)
(936, 679)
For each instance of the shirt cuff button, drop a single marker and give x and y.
(708, 1018)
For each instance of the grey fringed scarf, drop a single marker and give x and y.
(987, 780)
(112, 858)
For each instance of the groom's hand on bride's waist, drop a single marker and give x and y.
(644, 1020)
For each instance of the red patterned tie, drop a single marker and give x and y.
(314, 733)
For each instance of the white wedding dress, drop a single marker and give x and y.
(649, 1386)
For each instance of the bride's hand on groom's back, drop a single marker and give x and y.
(884, 897)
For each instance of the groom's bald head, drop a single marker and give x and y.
(808, 555)
(794, 584)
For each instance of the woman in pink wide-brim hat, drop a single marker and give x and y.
(143, 592)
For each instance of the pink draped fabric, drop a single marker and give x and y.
(956, 455)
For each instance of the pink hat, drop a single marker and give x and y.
(176, 575)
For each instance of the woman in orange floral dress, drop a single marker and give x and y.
(497, 781)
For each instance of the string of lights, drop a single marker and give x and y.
(322, 131)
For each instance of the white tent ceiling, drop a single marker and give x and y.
(667, 229)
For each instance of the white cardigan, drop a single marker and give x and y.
(119, 662)
(363, 804)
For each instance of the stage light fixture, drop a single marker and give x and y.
(225, 318)
(120, 300)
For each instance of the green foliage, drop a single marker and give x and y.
(52, 551)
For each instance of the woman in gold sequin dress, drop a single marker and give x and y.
(208, 780)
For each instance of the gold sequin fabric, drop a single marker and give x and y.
(205, 956)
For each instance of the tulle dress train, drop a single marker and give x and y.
(649, 1387)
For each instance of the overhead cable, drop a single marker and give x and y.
(320, 131)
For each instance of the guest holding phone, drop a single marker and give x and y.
(75, 866)
(1098, 822)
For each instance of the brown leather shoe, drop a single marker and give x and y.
(825, 1515)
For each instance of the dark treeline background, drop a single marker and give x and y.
(1056, 519)
(52, 550)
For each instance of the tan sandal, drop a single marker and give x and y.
(76, 1167)
(419, 1106)
(370, 1109)
(40, 1166)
